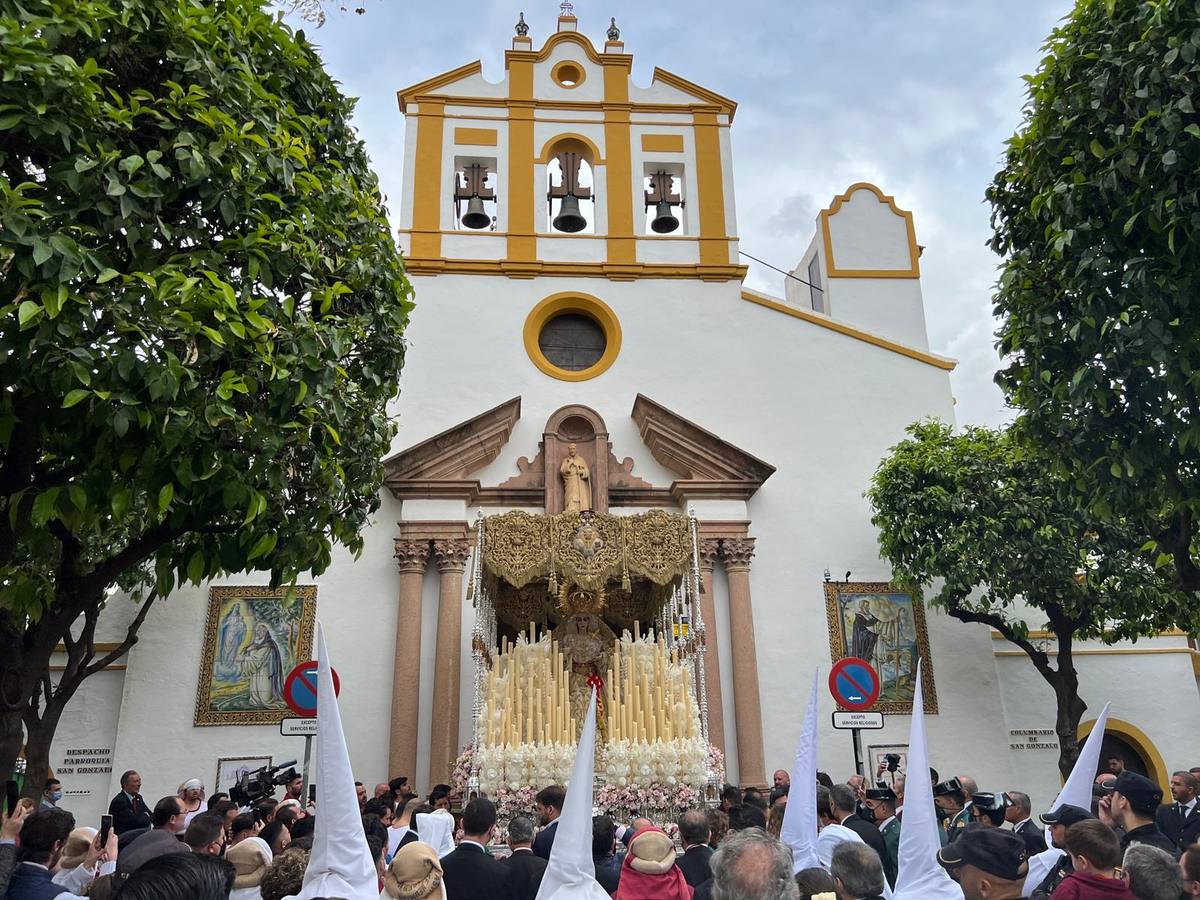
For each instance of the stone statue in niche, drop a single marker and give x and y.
(577, 486)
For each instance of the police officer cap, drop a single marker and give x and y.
(951, 786)
(991, 802)
(1066, 815)
(1142, 793)
(881, 792)
(992, 850)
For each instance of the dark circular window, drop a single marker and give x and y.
(572, 341)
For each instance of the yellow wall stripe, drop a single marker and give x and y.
(427, 181)
(478, 137)
(662, 143)
(714, 244)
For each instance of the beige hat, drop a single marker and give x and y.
(76, 848)
(415, 873)
(250, 859)
(652, 851)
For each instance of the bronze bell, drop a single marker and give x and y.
(664, 221)
(475, 216)
(569, 218)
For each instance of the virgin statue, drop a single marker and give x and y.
(263, 663)
(577, 486)
(229, 641)
(586, 643)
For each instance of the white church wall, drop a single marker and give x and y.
(88, 723)
(356, 603)
(890, 307)
(1152, 687)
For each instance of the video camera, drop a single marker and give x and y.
(254, 786)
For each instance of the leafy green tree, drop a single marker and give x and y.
(201, 322)
(1097, 215)
(993, 532)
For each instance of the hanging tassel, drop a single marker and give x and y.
(625, 583)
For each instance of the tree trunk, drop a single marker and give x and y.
(1070, 707)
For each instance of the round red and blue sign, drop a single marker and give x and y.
(300, 689)
(854, 683)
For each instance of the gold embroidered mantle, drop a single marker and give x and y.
(586, 549)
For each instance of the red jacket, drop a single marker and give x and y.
(1078, 886)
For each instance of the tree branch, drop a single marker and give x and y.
(131, 637)
(1038, 657)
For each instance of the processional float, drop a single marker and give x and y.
(569, 603)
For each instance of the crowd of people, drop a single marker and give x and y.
(188, 845)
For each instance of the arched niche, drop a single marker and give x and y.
(584, 427)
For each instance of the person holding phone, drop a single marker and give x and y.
(43, 836)
(10, 827)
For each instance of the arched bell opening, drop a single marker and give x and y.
(570, 179)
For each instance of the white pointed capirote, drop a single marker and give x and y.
(920, 876)
(1076, 792)
(799, 829)
(571, 874)
(340, 864)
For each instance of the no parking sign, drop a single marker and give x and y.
(854, 683)
(300, 689)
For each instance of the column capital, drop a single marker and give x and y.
(450, 554)
(736, 553)
(411, 555)
(710, 550)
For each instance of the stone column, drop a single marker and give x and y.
(736, 554)
(450, 555)
(412, 556)
(709, 550)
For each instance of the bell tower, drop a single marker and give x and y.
(567, 167)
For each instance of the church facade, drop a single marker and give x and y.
(585, 341)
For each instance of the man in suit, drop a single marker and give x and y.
(468, 873)
(882, 801)
(128, 809)
(548, 806)
(525, 869)
(842, 803)
(693, 834)
(1180, 821)
(1020, 816)
(604, 859)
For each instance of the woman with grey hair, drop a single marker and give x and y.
(752, 865)
(1151, 873)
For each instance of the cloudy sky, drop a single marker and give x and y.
(916, 96)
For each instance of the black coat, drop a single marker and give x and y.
(869, 833)
(128, 814)
(470, 874)
(1183, 830)
(608, 872)
(695, 864)
(544, 840)
(525, 874)
(1149, 834)
(1034, 838)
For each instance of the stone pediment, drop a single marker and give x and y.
(708, 466)
(440, 466)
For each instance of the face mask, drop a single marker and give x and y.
(56, 795)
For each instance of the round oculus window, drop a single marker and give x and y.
(572, 341)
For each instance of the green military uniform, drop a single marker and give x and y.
(957, 823)
(891, 840)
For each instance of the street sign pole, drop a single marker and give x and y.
(855, 685)
(307, 756)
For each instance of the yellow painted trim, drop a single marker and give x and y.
(710, 185)
(662, 143)
(940, 362)
(678, 109)
(476, 137)
(536, 267)
(427, 181)
(1140, 742)
(453, 116)
(593, 154)
(522, 245)
(409, 94)
(1042, 634)
(573, 302)
(556, 74)
(619, 60)
(914, 253)
(724, 104)
(558, 234)
(622, 246)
